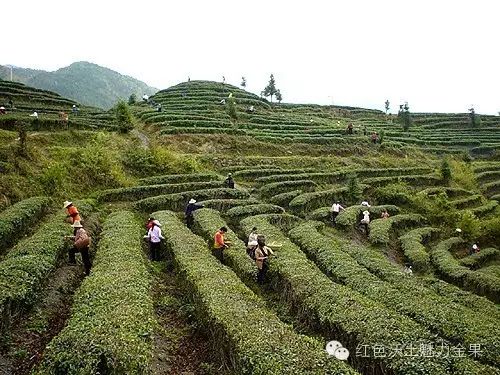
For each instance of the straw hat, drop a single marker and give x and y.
(67, 203)
(366, 213)
(77, 224)
(192, 201)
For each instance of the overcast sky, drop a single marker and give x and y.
(438, 55)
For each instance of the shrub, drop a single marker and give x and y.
(436, 208)
(354, 190)
(413, 248)
(380, 229)
(237, 213)
(283, 186)
(423, 306)
(398, 194)
(445, 171)
(476, 260)
(178, 178)
(322, 304)
(470, 226)
(451, 270)
(112, 320)
(16, 220)
(140, 192)
(222, 205)
(223, 309)
(178, 201)
(284, 198)
(350, 215)
(124, 119)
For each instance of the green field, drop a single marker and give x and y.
(190, 313)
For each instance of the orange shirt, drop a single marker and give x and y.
(219, 239)
(73, 213)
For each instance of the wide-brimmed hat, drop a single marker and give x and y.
(67, 203)
(253, 243)
(366, 213)
(77, 224)
(157, 223)
(192, 201)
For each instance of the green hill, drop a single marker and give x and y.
(87, 83)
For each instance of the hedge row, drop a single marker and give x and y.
(469, 201)
(139, 192)
(284, 186)
(378, 263)
(323, 304)
(27, 266)
(112, 320)
(488, 176)
(476, 260)
(380, 229)
(243, 330)
(255, 173)
(178, 178)
(307, 202)
(284, 199)
(412, 244)
(451, 270)
(493, 166)
(178, 201)
(17, 219)
(415, 180)
(350, 215)
(485, 209)
(451, 321)
(450, 192)
(222, 205)
(491, 188)
(237, 213)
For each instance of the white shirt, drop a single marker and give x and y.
(252, 237)
(336, 207)
(366, 218)
(154, 234)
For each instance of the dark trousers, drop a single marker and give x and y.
(261, 276)
(85, 258)
(219, 254)
(334, 216)
(366, 227)
(154, 250)
(189, 221)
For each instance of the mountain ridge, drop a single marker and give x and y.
(85, 82)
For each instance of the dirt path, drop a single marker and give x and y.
(141, 136)
(179, 347)
(30, 333)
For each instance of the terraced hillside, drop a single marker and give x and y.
(327, 280)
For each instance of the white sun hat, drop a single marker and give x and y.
(157, 223)
(192, 201)
(77, 224)
(67, 203)
(253, 243)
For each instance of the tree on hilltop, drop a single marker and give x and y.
(132, 99)
(404, 116)
(387, 106)
(279, 98)
(270, 89)
(243, 82)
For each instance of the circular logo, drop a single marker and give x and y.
(341, 353)
(332, 346)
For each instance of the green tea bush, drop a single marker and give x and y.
(284, 186)
(237, 213)
(223, 309)
(284, 199)
(396, 194)
(428, 309)
(491, 188)
(139, 192)
(477, 260)
(112, 320)
(322, 304)
(451, 270)
(222, 205)
(412, 244)
(380, 229)
(178, 178)
(485, 209)
(472, 200)
(178, 201)
(350, 215)
(17, 219)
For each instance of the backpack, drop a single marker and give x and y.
(251, 251)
